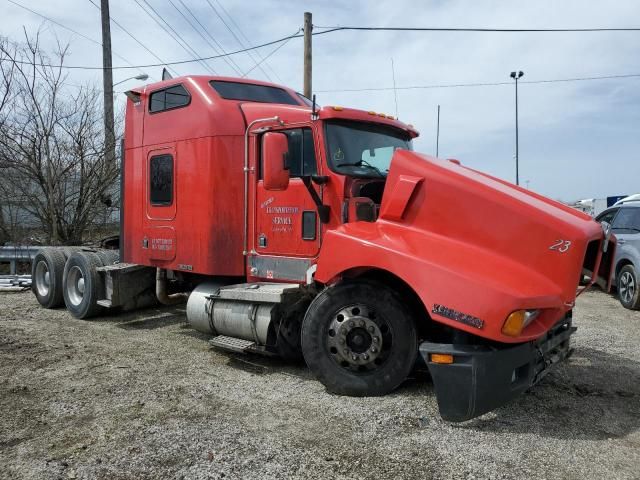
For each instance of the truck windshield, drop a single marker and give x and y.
(363, 149)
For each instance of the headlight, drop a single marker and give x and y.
(517, 321)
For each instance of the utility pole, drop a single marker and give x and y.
(107, 82)
(308, 27)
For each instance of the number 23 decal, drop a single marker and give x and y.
(561, 245)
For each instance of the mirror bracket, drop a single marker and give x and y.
(323, 210)
(319, 179)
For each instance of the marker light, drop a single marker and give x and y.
(391, 117)
(338, 109)
(517, 321)
(371, 112)
(442, 358)
(382, 115)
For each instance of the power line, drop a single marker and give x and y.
(242, 34)
(136, 40)
(180, 62)
(67, 28)
(479, 30)
(223, 51)
(209, 67)
(487, 84)
(267, 56)
(236, 37)
(298, 35)
(173, 34)
(229, 61)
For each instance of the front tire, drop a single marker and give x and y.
(628, 288)
(83, 285)
(359, 339)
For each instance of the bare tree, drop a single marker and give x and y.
(7, 70)
(52, 155)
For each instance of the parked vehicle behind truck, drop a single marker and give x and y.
(624, 219)
(320, 233)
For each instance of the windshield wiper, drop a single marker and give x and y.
(362, 163)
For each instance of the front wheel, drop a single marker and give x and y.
(628, 288)
(359, 339)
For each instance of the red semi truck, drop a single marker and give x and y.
(320, 233)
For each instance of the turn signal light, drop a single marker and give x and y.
(516, 321)
(514, 324)
(442, 358)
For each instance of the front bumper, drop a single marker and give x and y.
(483, 378)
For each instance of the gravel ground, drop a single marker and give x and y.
(141, 395)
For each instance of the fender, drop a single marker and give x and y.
(461, 285)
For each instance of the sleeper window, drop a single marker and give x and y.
(161, 180)
(169, 98)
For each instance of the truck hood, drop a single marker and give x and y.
(468, 205)
(470, 244)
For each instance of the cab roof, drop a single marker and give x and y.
(299, 110)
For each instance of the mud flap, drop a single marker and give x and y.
(482, 378)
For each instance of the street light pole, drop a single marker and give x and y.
(142, 76)
(516, 76)
(438, 134)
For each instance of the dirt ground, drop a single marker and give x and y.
(141, 396)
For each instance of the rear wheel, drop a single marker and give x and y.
(83, 284)
(47, 277)
(359, 339)
(108, 257)
(628, 289)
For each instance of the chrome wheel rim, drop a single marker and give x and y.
(75, 286)
(42, 278)
(627, 287)
(357, 339)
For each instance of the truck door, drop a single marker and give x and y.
(159, 241)
(286, 221)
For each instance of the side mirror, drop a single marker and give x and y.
(275, 168)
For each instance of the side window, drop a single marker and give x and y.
(169, 98)
(302, 154)
(607, 217)
(161, 180)
(627, 221)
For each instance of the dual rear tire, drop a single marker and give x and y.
(69, 276)
(83, 285)
(47, 271)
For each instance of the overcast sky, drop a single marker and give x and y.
(577, 139)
